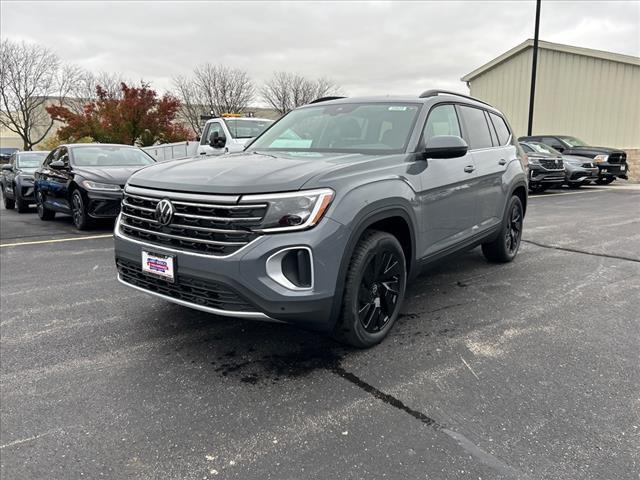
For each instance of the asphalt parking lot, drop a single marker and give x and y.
(528, 370)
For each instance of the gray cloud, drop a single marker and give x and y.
(368, 48)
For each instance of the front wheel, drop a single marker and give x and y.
(605, 180)
(21, 204)
(80, 218)
(504, 248)
(9, 203)
(374, 290)
(43, 212)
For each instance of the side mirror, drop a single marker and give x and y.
(217, 140)
(445, 146)
(58, 165)
(7, 167)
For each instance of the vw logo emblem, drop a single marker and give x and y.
(164, 212)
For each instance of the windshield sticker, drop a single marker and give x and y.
(291, 143)
(397, 108)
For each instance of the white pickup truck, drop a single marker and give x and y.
(230, 134)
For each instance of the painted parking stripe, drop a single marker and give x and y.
(55, 240)
(531, 197)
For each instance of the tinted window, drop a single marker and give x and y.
(442, 120)
(243, 128)
(526, 148)
(501, 128)
(50, 157)
(552, 142)
(342, 127)
(477, 130)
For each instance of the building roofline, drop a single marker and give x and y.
(558, 47)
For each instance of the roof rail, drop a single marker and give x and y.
(325, 99)
(435, 93)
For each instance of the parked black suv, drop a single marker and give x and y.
(322, 220)
(611, 162)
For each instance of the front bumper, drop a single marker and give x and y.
(26, 192)
(104, 204)
(538, 175)
(580, 174)
(243, 275)
(613, 170)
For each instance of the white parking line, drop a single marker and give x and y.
(531, 197)
(55, 240)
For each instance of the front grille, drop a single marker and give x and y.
(201, 226)
(551, 163)
(617, 158)
(189, 289)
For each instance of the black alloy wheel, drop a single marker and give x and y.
(21, 205)
(513, 233)
(379, 290)
(505, 247)
(43, 212)
(9, 203)
(78, 211)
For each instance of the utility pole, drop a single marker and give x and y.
(534, 67)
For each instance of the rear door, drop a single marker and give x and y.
(448, 185)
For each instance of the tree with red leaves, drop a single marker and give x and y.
(135, 117)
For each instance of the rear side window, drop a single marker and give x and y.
(442, 120)
(501, 128)
(477, 130)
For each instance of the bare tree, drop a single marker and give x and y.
(286, 91)
(84, 90)
(224, 89)
(192, 104)
(31, 77)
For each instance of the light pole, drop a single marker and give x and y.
(534, 67)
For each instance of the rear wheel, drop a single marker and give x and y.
(505, 247)
(605, 180)
(80, 218)
(374, 290)
(43, 212)
(21, 205)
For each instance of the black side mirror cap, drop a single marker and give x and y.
(445, 146)
(7, 167)
(58, 165)
(217, 140)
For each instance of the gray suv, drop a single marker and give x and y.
(324, 217)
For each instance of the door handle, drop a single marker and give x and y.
(502, 162)
(469, 168)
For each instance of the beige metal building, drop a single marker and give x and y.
(590, 94)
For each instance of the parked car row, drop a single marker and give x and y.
(323, 218)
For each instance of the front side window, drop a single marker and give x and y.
(502, 130)
(31, 159)
(477, 130)
(211, 129)
(343, 127)
(110, 156)
(442, 120)
(244, 128)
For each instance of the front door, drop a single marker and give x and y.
(449, 213)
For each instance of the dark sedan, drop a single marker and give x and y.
(86, 180)
(611, 162)
(17, 179)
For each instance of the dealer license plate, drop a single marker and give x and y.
(158, 265)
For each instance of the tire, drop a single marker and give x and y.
(9, 203)
(43, 212)
(81, 219)
(505, 247)
(605, 180)
(374, 290)
(21, 205)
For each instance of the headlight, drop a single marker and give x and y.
(600, 158)
(534, 161)
(292, 211)
(105, 187)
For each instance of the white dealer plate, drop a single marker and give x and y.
(158, 265)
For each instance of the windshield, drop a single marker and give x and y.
(244, 128)
(31, 159)
(110, 156)
(542, 148)
(343, 127)
(574, 142)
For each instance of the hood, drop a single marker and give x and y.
(575, 158)
(593, 150)
(114, 175)
(246, 172)
(541, 155)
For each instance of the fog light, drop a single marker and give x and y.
(292, 268)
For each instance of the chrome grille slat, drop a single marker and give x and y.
(219, 228)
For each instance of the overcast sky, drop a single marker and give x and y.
(367, 48)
